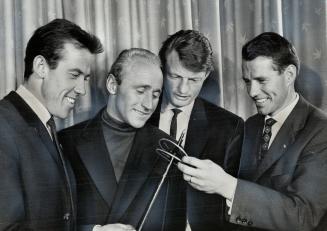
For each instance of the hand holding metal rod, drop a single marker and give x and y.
(179, 143)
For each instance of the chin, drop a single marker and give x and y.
(138, 124)
(178, 103)
(61, 115)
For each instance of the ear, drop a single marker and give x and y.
(290, 74)
(111, 84)
(40, 66)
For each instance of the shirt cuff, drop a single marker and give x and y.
(229, 202)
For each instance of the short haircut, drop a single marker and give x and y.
(193, 49)
(128, 56)
(49, 41)
(274, 46)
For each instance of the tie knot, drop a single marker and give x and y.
(270, 122)
(51, 123)
(176, 111)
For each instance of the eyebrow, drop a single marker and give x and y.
(79, 71)
(147, 87)
(189, 77)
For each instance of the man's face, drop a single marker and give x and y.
(181, 86)
(63, 85)
(137, 95)
(269, 89)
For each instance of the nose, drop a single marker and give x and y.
(253, 89)
(80, 86)
(183, 86)
(147, 102)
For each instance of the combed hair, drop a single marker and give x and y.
(193, 49)
(126, 57)
(274, 46)
(49, 41)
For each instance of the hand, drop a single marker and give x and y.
(208, 177)
(114, 227)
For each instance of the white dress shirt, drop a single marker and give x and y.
(183, 118)
(280, 118)
(35, 105)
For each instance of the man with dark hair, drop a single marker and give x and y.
(114, 154)
(211, 132)
(36, 182)
(283, 168)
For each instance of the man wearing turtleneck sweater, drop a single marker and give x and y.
(114, 154)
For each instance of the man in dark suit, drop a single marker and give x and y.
(211, 132)
(36, 183)
(114, 154)
(283, 169)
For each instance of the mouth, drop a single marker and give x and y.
(70, 100)
(260, 102)
(142, 113)
(181, 97)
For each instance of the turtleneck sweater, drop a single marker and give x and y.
(119, 139)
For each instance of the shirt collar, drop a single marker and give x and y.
(34, 104)
(281, 116)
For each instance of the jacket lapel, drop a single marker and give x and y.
(34, 122)
(198, 130)
(139, 169)
(285, 137)
(94, 154)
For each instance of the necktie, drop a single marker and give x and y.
(173, 125)
(52, 125)
(266, 135)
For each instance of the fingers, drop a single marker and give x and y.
(114, 227)
(193, 161)
(126, 227)
(187, 169)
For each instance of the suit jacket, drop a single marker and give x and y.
(288, 189)
(34, 190)
(216, 134)
(101, 200)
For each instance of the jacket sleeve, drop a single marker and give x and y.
(300, 201)
(12, 212)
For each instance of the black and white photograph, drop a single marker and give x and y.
(163, 115)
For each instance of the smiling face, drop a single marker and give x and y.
(63, 85)
(135, 99)
(181, 86)
(270, 90)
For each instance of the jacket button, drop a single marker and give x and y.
(67, 216)
(244, 220)
(250, 223)
(238, 220)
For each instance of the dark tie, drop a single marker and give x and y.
(52, 125)
(266, 135)
(173, 125)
